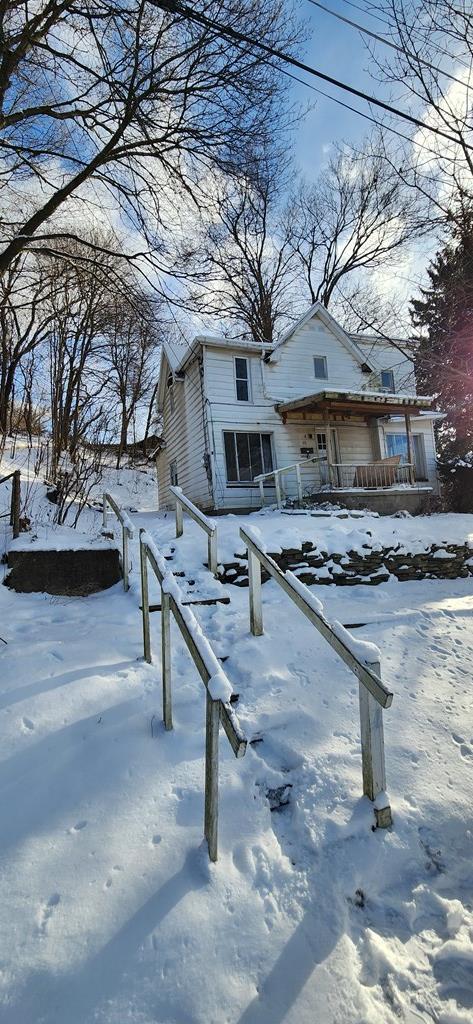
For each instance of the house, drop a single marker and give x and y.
(342, 406)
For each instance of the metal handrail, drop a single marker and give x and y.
(374, 695)
(128, 532)
(277, 473)
(184, 504)
(209, 668)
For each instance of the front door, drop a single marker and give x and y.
(321, 449)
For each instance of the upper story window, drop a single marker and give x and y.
(242, 379)
(387, 380)
(320, 367)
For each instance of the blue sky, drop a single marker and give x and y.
(337, 50)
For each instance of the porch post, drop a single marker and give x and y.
(410, 447)
(329, 446)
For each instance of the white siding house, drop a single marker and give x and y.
(234, 409)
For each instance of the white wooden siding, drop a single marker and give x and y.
(185, 441)
(293, 373)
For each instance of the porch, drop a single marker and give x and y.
(353, 447)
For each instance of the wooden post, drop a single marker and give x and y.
(261, 490)
(212, 552)
(372, 751)
(104, 513)
(145, 600)
(126, 583)
(410, 447)
(256, 607)
(299, 483)
(15, 503)
(166, 659)
(212, 722)
(179, 519)
(277, 484)
(328, 448)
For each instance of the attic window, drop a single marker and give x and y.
(387, 381)
(320, 367)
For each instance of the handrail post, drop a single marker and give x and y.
(104, 512)
(277, 484)
(299, 483)
(256, 606)
(15, 503)
(166, 659)
(212, 722)
(212, 551)
(261, 490)
(179, 519)
(126, 583)
(145, 600)
(372, 751)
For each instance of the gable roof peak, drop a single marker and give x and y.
(319, 310)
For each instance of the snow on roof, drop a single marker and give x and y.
(380, 397)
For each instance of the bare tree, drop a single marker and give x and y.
(131, 104)
(246, 263)
(25, 318)
(433, 66)
(356, 217)
(130, 358)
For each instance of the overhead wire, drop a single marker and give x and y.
(228, 31)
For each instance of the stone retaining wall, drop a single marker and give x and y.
(370, 566)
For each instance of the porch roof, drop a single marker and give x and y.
(372, 403)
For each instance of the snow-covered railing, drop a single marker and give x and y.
(278, 474)
(128, 533)
(361, 657)
(184, 504)
(15, 503)
(218, 688)
(386, 473)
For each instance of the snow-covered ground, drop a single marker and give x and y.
(111, 912)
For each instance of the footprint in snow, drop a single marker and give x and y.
(46, 912)
(78, 826)
(27, 724)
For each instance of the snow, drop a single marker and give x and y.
(219, 687)
(362, 649)
(111, 911)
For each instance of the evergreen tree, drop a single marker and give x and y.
(444, 316)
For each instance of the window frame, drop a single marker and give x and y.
(384, 387)
(324, 376)
(248, 434)
(246, 380)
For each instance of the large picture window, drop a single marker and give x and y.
(247, 455)
(396, 444)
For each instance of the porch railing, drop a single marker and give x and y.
(279, 473)
(344, 475)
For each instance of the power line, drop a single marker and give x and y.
(412, 31)
(173, 7)
(386, 42)
(373, 120)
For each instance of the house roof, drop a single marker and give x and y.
(378, 403)
(320, 311)
(178, 354)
